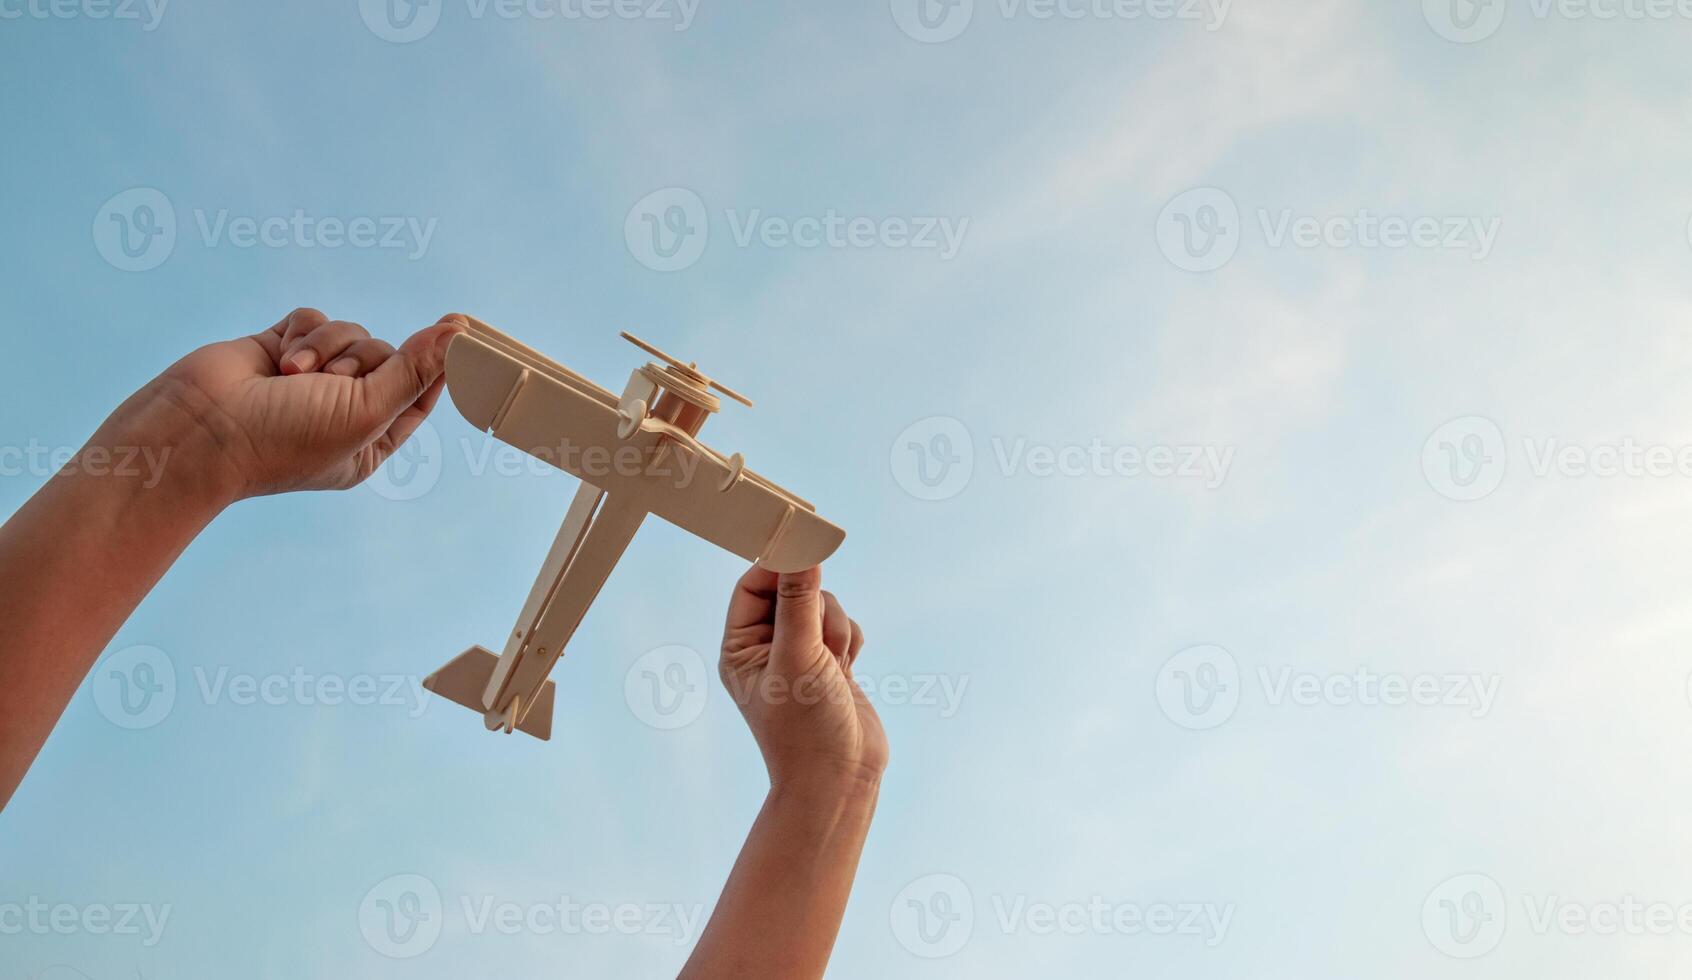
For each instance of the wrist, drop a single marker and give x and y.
(828, 781)
(161, 442)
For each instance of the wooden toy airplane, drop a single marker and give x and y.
(635, 455)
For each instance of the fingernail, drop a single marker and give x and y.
(303, 360)
(346, 367)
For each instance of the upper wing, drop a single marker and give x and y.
(561, 418)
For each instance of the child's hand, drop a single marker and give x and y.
(309, 404)
(788, 651)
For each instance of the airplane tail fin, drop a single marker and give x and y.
(465, 677)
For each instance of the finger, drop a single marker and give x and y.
(271, 338)
(361, 358)
(407, 375)
(754, 599)
(855, 647)
(318, 348)
(836, 626)
(799, 611)
(299, 323)
(411, 418)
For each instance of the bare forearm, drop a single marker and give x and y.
(781, 909)
(78, 558)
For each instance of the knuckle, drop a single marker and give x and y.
(795, 590)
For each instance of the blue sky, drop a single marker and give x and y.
(1259, 435)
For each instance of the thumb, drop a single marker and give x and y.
(798, 613)
(411, 371)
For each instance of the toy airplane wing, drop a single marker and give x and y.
(635, 455)
(556, 416)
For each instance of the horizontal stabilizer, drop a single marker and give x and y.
(464, 678)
